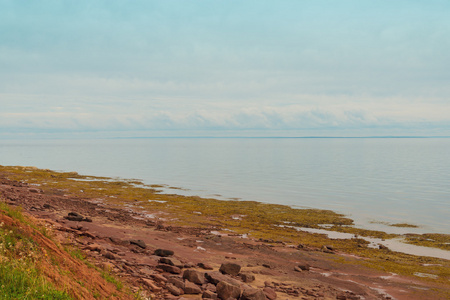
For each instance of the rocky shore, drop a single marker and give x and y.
(161, 260)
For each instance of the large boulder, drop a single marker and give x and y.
(194, 276)
(253, 294)
(270, 293)
(191, 288)
(227, 290)
(230, 269)
(215, 277)
(178, 282)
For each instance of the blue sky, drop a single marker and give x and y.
(224, 68)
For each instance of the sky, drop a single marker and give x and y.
(224, 68)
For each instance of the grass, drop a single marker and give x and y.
(33, 266)
(109, 277)
(19, 276)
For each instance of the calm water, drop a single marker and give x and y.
(387, 180)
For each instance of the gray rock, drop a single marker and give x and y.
(227, 290)
(194, 276)
(230, 269)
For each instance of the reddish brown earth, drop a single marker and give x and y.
(106, 240)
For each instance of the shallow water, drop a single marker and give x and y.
(382, 180)
(392, 244)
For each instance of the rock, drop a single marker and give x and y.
(73, 216)
(304, 267)
(176, 282)
(209, 295)
(253, 294)
(210, 287)
(327, 249)
(159, 278)
(107, 266)
(163, 252)
(298, 269)
(300, 246)
(215, 277)
(191, 288)
(139, 243)
(94, 247)
(230, 269)
(194, 276)
(87, 220)
(205, 266)
(246, 277)
(382, 247)
(270, 293)
(171, 261)
(119, 241)
(227, 290)
(169, 268)
(174, 290)
(150, 285)
(109, 255)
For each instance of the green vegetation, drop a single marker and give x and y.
(404, 225)
(33, 266)
(19, 276)
(106, 274)
(430, 240)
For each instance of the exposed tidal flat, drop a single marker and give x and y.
(273, 222)
(276, 243)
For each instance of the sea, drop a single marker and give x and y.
(374, 181)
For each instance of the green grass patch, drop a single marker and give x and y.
(112, 279)
(19, 277)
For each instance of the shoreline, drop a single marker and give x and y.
(397, 227)
(203, 230)
(339, 222)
